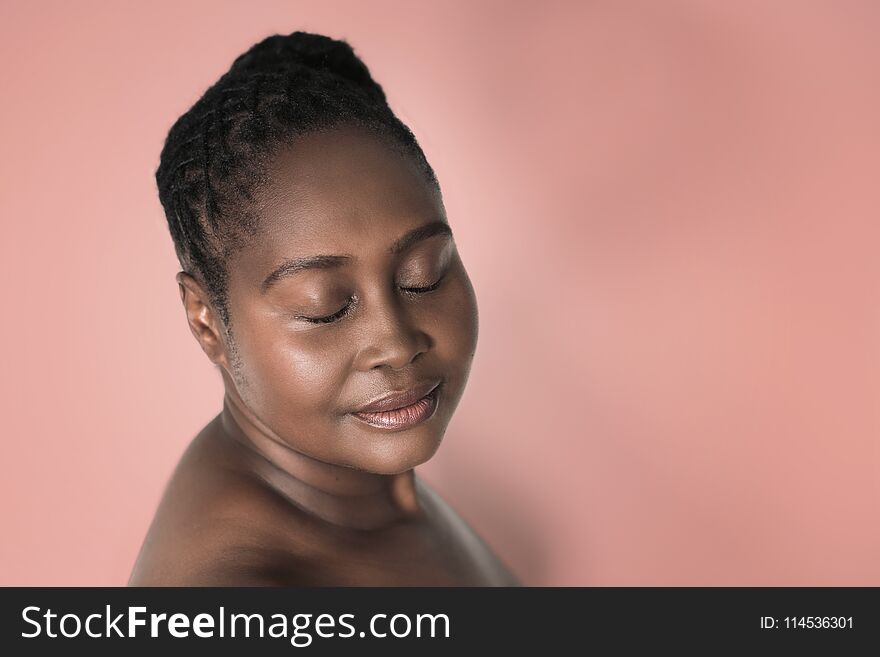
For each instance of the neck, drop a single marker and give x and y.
(337, 494)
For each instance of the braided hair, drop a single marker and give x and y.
(215, 157)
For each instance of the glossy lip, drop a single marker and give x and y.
(395, 400)
(402, 418)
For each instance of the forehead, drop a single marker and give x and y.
(341, 191)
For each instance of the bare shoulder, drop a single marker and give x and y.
(217, 525)
(497, 572)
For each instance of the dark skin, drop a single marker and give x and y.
(285, 487)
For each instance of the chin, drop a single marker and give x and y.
(397, 452)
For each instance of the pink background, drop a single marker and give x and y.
(669, 214)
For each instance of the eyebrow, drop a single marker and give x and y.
(294, 265)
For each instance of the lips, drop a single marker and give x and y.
(404, 410)
(394, 400)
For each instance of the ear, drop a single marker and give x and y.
(202, 318)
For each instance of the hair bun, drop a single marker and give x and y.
(280, 53)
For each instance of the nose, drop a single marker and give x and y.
(391, 337)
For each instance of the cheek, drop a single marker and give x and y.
(458, 323)
(292, 374)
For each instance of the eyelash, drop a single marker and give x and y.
(329, 319)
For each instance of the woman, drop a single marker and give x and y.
(321, 276)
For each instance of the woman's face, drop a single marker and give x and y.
(329, 309)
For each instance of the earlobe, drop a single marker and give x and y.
(201, 317)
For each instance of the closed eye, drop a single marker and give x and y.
(330, 318)
(423, 290)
